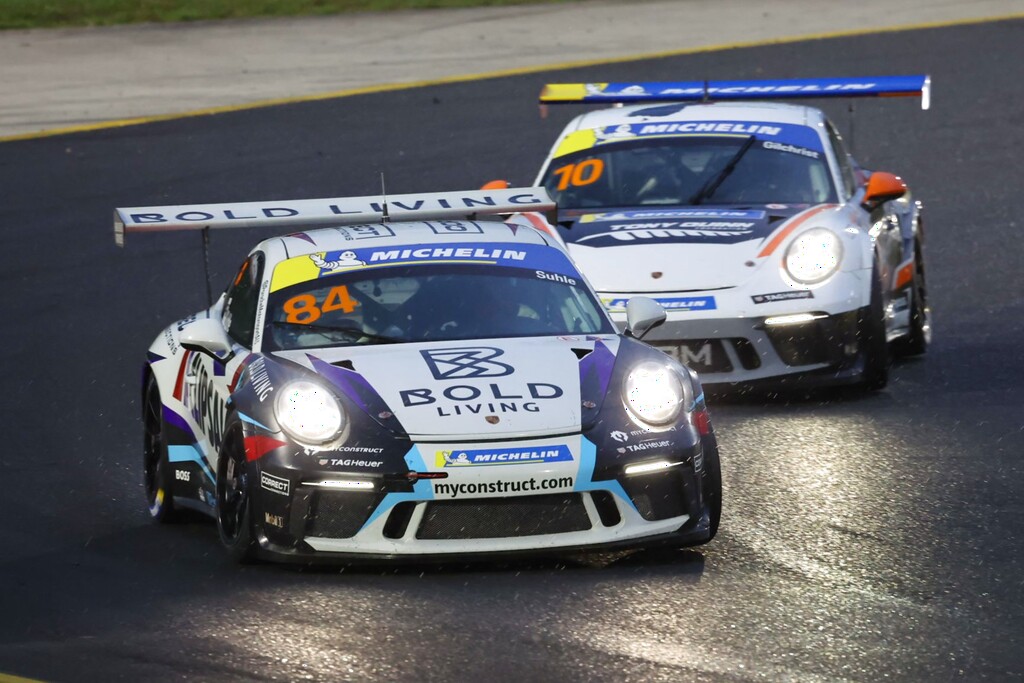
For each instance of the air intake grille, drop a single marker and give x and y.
(337, 514)
(657, 495)
(504, 517)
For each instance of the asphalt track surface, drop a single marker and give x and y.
(863, 538)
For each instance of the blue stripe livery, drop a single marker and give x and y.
(698, 91)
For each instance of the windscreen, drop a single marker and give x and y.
(691, 170)
(430, 302)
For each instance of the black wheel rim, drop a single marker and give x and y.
(152, 448)
(232, 488)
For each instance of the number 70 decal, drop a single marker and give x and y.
(584, 173)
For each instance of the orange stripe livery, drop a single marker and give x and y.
(791, 225)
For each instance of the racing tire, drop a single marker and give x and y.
(711, 484)
(157, 475)
(920, 335)
(871, 338)
(234, 495)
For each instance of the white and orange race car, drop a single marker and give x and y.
(780, 261)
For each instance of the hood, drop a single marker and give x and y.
(672, 249)
(469, 389)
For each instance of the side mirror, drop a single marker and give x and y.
(207, 335)
(643, 314)
(496, 185)
(883, 187)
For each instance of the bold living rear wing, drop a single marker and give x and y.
(336, 211)
(704, 91)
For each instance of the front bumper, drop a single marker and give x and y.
(568, 507)
(729, 351)
(728, 338)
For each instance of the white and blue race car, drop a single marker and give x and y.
(779, 260)
(427, 377)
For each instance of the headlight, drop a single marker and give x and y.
(308, 412)
(654, 393)
(813, 256)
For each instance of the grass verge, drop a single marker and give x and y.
(58, 13)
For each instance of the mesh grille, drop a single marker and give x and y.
(606, 507)
(657, 495)
(337, 514)
(804, 343)
(504, 517)
(643, 505)
(748, 355)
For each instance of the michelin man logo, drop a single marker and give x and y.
(346, 259)
(458, 459)
(600, 90)
(619, 132)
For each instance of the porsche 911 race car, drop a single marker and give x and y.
(779, 260)
(426, 377)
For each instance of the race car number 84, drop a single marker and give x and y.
(304, 308)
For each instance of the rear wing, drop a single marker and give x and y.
(290, 214)
(706, 91)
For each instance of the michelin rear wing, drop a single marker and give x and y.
(304, 213)
(706, 91)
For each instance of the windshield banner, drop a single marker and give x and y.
(781, 137)
(720, 226)
(540, 258)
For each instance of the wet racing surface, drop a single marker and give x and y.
(862, 537)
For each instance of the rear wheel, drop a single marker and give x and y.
(920, 336)
(234, 495)
(156, 470)
(871, 338)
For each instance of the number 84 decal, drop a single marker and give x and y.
(304, 309)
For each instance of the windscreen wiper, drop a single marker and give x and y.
(714, 183)
(326, 330)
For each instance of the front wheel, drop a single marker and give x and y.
(920, 335)
(156, 469)
(874, 347)
(234, 495)
(711, 484)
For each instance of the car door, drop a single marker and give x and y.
(209, 381)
